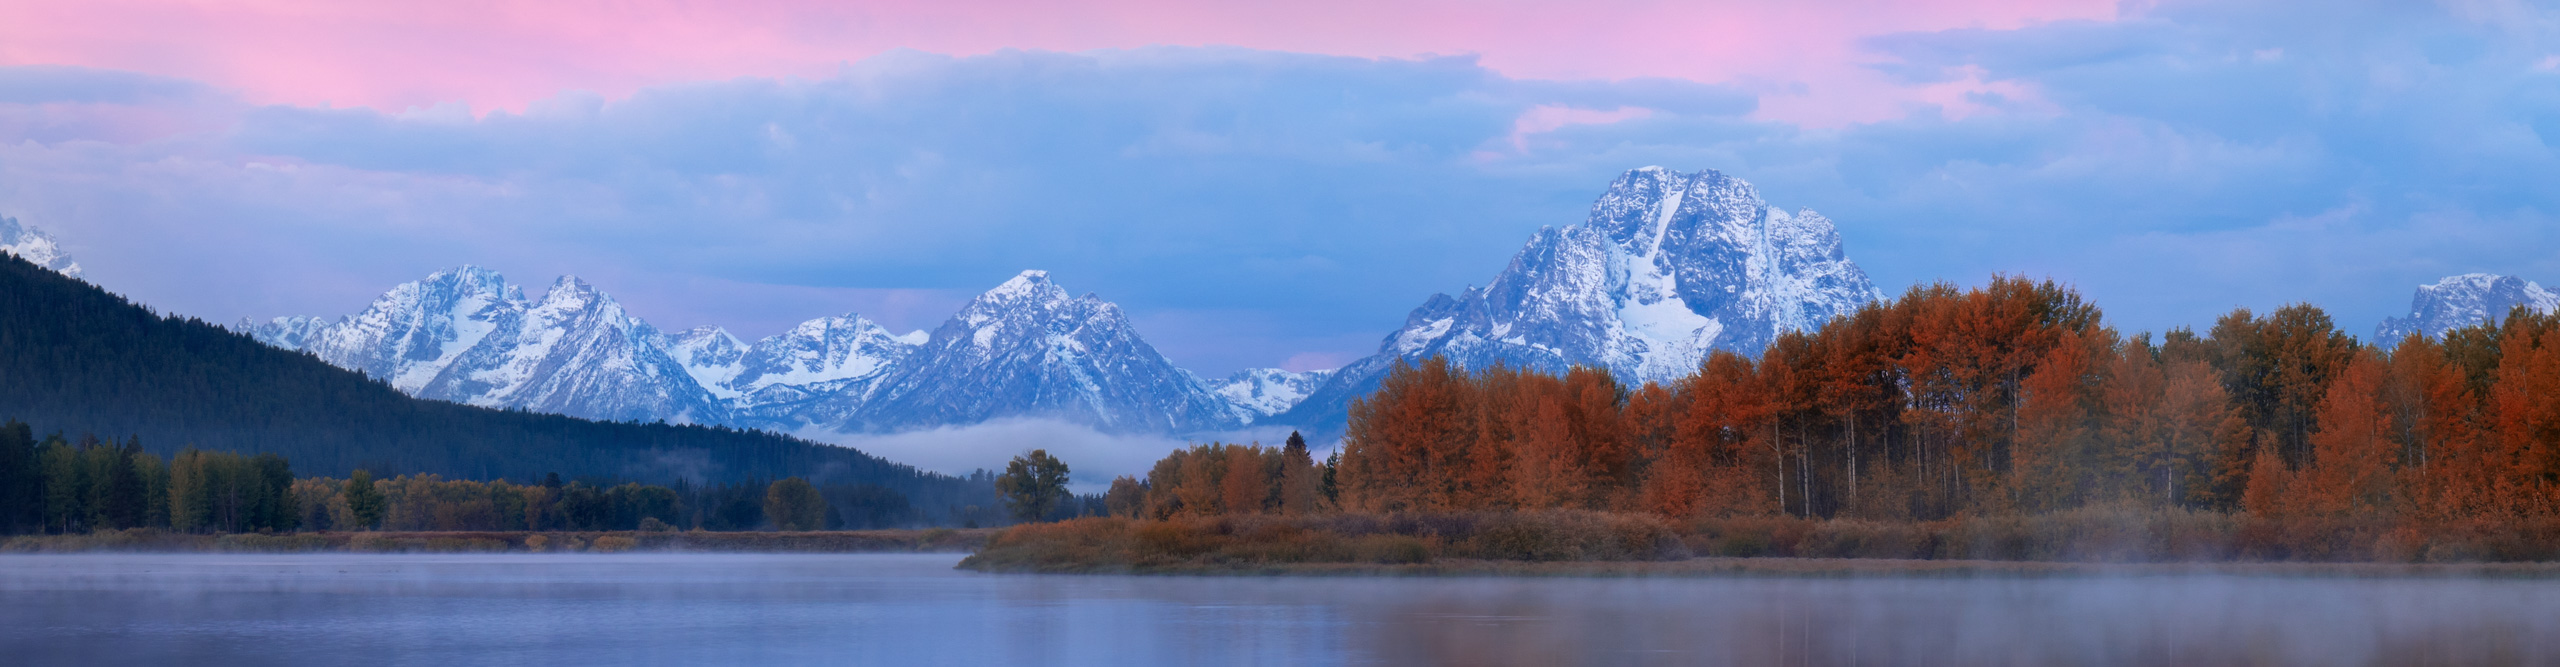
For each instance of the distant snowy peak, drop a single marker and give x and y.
(710, 355)
(1667, 268)
(2461, 301)
(820, 355)
(410, 335)
(1262, 392)
(467, 335)
(1028, 349)
(1025, 349)
(285, 332)
(34, 245)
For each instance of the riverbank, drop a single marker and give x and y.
(942, 540)
(1720, 566)
(1583, 543)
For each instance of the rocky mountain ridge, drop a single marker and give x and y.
(1022, 350)
(2461, 301)
(34, 245)
(1666, 268)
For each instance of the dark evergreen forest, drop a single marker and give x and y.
(75, 358)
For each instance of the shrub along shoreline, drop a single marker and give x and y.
(1577, 542)
(937, 540)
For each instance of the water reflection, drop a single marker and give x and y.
(913, 609)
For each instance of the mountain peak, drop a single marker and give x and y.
(469, 280)
(34, 245)
(1024, 349)
(573, 283)
(1032, 284)
(1666, 268)
(2463, 300)
(467, 335)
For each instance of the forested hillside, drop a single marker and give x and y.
(77, 359)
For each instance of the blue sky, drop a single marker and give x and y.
(1261, 207)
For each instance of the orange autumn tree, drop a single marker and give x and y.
(2010, 398)
(1713, 463)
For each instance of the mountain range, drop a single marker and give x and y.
(1665, 268)
(1026, 349)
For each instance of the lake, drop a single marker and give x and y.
(532, 609)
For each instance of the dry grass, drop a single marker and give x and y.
(1867, 567)
(852, 541)
(2103, 538)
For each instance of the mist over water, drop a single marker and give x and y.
(914, 609)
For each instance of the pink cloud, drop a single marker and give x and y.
(506, 54)
(1549, 118)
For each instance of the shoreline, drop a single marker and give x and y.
(1783, 567)
(935, 540)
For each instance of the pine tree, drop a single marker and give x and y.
(21, 480)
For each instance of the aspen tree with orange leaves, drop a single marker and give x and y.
(2013, 399)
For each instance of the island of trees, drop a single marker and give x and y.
(2004, 422)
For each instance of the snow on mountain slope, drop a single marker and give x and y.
(1262, 392)
(830, 359)
(711, 356)
(33, 245)
(2461, 301)
(1027, 349)
(1667, 268)
(468, 336)
(1024, 349)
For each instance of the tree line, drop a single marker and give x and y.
(2010, 399)
(1221, 478)
(54, 485)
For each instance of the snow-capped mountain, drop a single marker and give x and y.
(1667, 268)
(2461, 301)
(1024, 349)
(469, 336)
(825, 359)
(33, 245)
(710, 355)
(1262, 392)
(1028, 349)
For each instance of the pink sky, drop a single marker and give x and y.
(494, 54)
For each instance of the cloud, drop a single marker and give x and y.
(1327, 194)
(508, 55)
(1256, 208)
(43, 84)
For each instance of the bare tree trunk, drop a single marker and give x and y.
(1853, 458)
(1804, 466)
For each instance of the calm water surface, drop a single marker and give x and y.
(914, 609)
